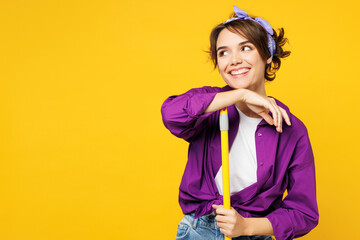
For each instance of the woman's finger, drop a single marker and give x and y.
(267, 118)
(279, 115)
(224, 231)
(224, 226)
(222, 219)
(285, 116)
(220, 210)
(274, 113)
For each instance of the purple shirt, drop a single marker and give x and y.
(284, 162)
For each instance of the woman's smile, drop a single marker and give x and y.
(240, 72)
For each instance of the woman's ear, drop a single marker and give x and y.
(269, 60)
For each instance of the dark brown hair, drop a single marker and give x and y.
(257, 35)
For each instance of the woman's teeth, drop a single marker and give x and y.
(241, 71)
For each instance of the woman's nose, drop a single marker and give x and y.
(236, 58)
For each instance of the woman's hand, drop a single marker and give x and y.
(231, 223)
(262, 105)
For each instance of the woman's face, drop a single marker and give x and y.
(239, 62)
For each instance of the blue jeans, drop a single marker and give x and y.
(205, 228)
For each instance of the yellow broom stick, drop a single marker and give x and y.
(224, 128)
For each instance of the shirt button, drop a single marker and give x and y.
(261, 163)
(259, 134)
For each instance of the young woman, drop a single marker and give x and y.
(266, 156)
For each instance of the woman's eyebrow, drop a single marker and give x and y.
(242, 43)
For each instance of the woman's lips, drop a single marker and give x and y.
(238, 73)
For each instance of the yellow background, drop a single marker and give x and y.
(83, 151)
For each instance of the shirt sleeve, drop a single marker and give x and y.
(183, 114)
(298, 213)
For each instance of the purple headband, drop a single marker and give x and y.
(242, 15)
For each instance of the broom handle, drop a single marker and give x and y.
(224, 128)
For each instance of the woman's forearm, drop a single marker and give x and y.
(225, 99)
(259, 226)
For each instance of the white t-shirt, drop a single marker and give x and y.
(242, 157)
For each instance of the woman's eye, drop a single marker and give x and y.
(246, 48)
(223, 53)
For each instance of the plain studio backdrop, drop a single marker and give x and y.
(83, 150)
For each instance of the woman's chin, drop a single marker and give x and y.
(239, 86)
